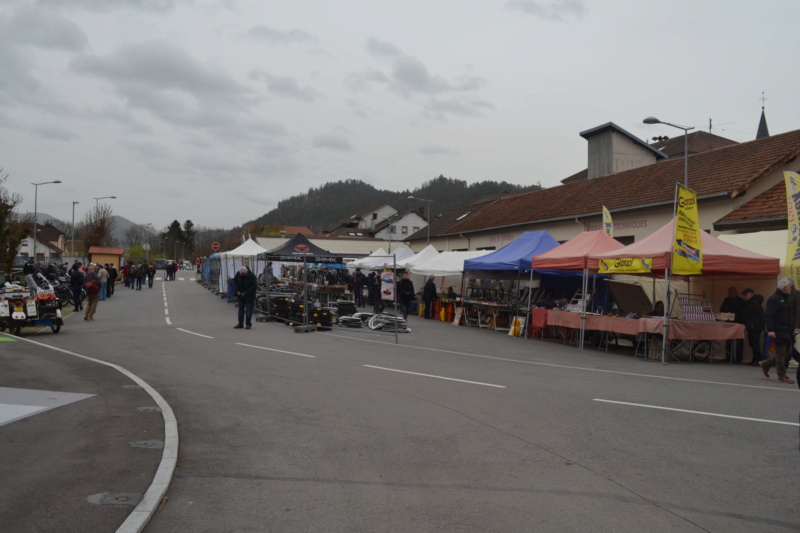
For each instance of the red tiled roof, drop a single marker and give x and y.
(724, 171)
(768, 209)
(699, 141)
(107, 250)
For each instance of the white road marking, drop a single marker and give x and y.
(193, 333)
(166, 311)
(568, 367)
(437, 377)
(698, 412)
(274, 350)
(168, 322)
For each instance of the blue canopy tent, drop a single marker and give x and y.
(516, 256)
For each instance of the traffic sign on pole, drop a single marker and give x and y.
(215, 246)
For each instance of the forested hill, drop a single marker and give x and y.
(322, 207)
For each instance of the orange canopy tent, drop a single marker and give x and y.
(719, 257)
(574, 255)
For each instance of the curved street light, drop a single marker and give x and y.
(654, 120)
(427, 214)
(97, 203)
(36, 211)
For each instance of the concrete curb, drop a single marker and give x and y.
(142, 513)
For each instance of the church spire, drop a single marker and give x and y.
(763, 131)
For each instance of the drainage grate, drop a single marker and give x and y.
(153, 444)
(149, 409)
(109, 498)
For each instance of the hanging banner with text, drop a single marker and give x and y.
(625, 265)
(792, 180)
(687, 250)
(608, 224)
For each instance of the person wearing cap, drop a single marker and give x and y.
(779, 329)
(246, 287)
(753, 320)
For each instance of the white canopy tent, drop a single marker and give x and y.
(231, 261)
(446, 263)
(381, 259)
(423, 255)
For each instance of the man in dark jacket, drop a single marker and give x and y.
(779, 329)
(405, 293)
(246, 286)
(359, 284)
(76, 284)
(753, 320)
(429, 296)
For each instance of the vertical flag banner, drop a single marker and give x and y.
(608, 225)
(687, 252)
(792, 180)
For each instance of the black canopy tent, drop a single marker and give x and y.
(299, 249)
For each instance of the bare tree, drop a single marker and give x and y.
(97, 227)
(13, 226)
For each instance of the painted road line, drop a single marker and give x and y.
(567, 367)
(193, 333)
(436, 377)
(274, 350)
(698, 412)
(168, 322)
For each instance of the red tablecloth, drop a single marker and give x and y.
(678, 329)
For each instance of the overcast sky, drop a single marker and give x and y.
(216, 110)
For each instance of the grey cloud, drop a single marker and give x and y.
(45, 29)
(382, 48)
(280, 37)
(103, 6)
(554, 10)
(434, 149)
(334, 141)
(158, 65)
(53, 133)
(437, 108)
(284, 86)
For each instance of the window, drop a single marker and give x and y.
(404, 231)
(392, 229)
(416, 229)
(374, 216)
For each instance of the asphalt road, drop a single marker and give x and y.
(454, 429)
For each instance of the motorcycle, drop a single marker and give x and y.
(31, 305)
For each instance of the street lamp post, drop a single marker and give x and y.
(147, 242)
(654, 120)
(427, 214)
(36, 211)
(97, 202)
(73, 229)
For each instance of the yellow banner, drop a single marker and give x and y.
(687, 249)
(625, 265)
(792, 180)
(608, 225)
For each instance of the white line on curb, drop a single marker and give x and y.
(437, 377)
(698, 412)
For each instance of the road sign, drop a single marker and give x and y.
(145, 247)
(215, 246)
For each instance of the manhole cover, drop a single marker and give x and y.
(155, 444)
(149, 409)
(108, 498)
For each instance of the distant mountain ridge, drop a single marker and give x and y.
(121, 224)
(321, 208)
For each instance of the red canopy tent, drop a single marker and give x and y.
(574, 255)
(719, 257)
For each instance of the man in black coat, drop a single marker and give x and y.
(429, 296)
(359, 284)
(753, 320)
(246, 287)
(779, 329)
(405, 293)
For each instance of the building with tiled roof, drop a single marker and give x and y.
(640, 200)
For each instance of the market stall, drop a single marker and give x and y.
(719, 259)
(300, 250)
(493, 291)
(247, 254)
(574, 255)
